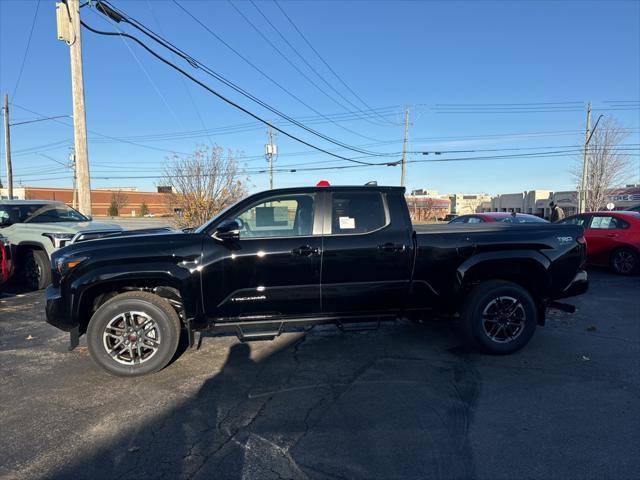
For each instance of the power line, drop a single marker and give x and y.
(144, 70)
(258, 69)
(182, 80)
(293, 65)
(26, 50)
(304, 60)
(105, 136)
(220, 96)
(108, 9)
(322, 59)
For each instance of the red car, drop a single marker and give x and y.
(613, 239)
(6, 265)
(505, 217)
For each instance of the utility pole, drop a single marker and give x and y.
(69, 30)
(403, 174)
(72, 161)
(269, 151)
(7, 147)
(582, 203)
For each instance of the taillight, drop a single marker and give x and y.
(581, 240)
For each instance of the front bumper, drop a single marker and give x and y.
(57, 310)
(577, 286)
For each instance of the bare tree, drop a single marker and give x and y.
(609, 166)
(203, 184)
(120, 199)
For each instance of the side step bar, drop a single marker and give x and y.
(565, 307)
(248, 335)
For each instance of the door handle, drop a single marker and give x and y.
(305, 251)
(612, 235)
(392, 247)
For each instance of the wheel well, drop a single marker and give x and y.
(22, 249)
(529, 274)
(94, 297)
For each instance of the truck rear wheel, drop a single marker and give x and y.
(499, 317)
(134, 333)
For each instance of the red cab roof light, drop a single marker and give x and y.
(323, 183)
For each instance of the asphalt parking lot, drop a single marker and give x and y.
(405, 401)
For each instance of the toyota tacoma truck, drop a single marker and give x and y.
(297, 257)
(36, 228)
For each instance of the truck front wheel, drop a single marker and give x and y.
(36, 269)
(134, 333)
(499, 317)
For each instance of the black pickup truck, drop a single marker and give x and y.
(303, 256)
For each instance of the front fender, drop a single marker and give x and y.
(185, 281)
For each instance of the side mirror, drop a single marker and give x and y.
(226, 231)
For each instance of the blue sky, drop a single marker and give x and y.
(391, 54)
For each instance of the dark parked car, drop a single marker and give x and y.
(613, 239)
(633, 208)
(504, 217)
(303, 256)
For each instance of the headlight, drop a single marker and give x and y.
(59, 240)
(66, 264)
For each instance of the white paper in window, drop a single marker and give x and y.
(347, 223)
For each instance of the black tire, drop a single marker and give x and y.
(152, 355)
(36, 269)
(486, 311)
(624, 261)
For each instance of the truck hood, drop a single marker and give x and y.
(71, 227)
(131, 243)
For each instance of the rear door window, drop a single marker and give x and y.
(607, 222)
(357, 212)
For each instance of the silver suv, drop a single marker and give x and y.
(36, 228)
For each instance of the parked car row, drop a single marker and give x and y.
(37, 228)
(613, 238)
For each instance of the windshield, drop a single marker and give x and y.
(40, 213)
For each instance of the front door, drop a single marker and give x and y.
(273, 270)
(366, 261)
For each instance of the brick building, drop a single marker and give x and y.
(100, 199)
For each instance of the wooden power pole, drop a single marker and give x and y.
(270, 150)
(582, 202)
(69, 30)
(403, 174)
(7, 147)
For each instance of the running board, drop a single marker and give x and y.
(357, 327)
(249, 335)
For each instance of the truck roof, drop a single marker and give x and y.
(364, 188)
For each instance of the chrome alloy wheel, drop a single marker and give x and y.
(503, 319)
(131, 338)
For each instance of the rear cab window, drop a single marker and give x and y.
(357, 212)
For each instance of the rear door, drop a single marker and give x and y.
(367, 253)
(603, 234)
